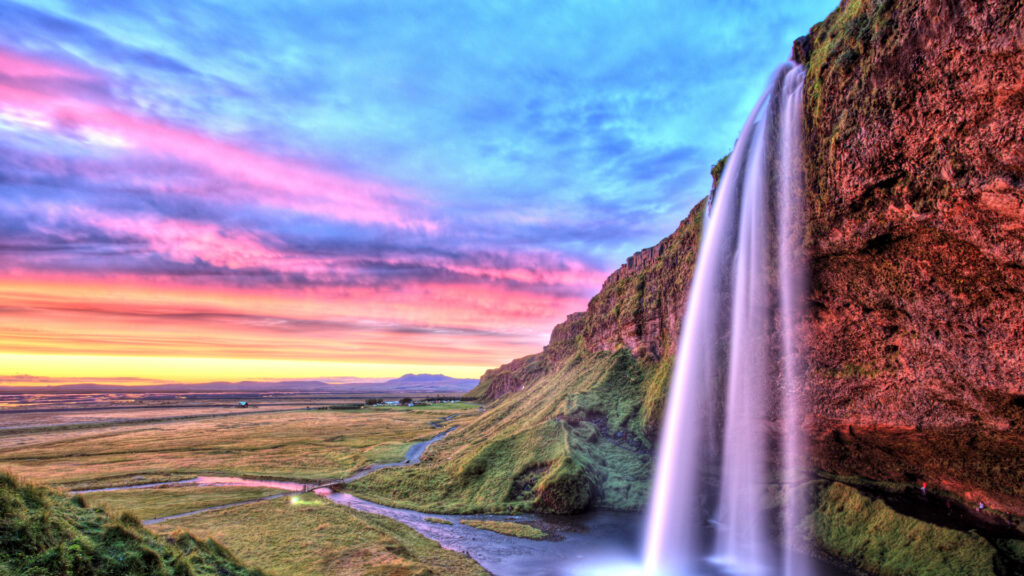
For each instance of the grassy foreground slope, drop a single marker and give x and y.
(43, 533)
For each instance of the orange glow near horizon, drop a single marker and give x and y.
(66, 368)
(60, 326)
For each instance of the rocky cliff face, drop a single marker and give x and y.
(914, 124)
(915, 174)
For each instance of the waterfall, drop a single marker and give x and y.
(738, 368)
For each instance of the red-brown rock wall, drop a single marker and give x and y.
(915, 171)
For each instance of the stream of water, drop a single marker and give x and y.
(595, 544)
(411, 457)
(737, 366)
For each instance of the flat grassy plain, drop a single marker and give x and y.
(302, 445)
(149, 503)
(44, 410)
(304, 535)
(42, 419)
(312, 537)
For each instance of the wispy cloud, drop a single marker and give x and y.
(418, 180)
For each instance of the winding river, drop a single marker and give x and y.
(598, 543)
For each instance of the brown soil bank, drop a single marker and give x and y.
(915, 171)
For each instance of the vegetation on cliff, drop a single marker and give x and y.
(564, 444)
(870, 535)
(43, 533)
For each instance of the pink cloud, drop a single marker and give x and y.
(17, 65)
(277, 182)
(474, 290)
(187, 242)
(419, 323)
(528, 268)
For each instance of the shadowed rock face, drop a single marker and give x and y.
(914, 134)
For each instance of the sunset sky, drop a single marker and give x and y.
(195, 191)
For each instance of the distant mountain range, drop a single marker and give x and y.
(407, 384)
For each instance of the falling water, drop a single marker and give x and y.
(738, 367)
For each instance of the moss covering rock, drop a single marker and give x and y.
(507, 528)
(869, 535)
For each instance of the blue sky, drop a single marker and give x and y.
(530, 145)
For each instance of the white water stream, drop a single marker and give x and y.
(738, 365)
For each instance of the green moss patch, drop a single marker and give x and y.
(508, 528)
(868, 534)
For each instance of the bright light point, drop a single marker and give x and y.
(306, 500)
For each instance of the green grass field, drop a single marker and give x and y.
(429, 407)
(149, 503)
(313, 537)
(302, 445)
(301, 535)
